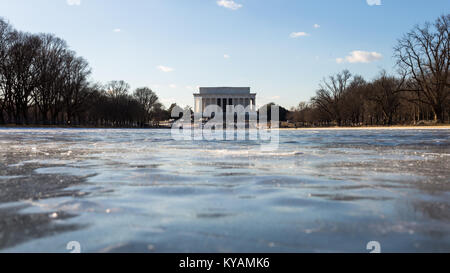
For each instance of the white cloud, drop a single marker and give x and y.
(359, 56)
(340, 60)
(73, 2)
(172, 85)
(298, 34)
(316, 26)
(229, 4)
(374, 2)
(117, 30)
(165, 69)
(226, 56)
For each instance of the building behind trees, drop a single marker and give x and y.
(43, 82)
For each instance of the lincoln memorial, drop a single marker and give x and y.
(223, 96)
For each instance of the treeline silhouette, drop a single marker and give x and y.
(420, 91)
(43, 82)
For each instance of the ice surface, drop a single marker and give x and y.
(126, 190)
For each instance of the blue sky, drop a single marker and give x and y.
(280, 48)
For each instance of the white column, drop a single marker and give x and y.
(197, 105)
(203, 104)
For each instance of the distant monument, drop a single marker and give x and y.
(223, 96)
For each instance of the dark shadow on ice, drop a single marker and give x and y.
(16, 228)
(20, 182)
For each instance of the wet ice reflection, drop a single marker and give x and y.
(139, 190)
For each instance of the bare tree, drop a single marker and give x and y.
(386, 93)
(158, 113)
(115, 89)
(147, 99)
(50, 64)
(6, 33)
(330, 95)
(352, 108)
(22, 64)
(423, 54)
(76, 89)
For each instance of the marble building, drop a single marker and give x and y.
(223, 96)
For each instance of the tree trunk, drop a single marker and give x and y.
(437, 113)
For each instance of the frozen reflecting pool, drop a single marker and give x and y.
(141, 191)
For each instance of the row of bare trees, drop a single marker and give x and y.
(420, 91)
(113, 106)
(42, 81)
